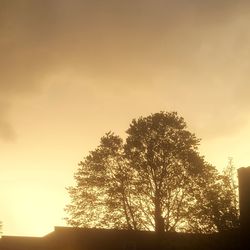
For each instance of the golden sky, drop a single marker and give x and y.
(72, 70)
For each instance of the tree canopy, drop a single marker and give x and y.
(155, 180)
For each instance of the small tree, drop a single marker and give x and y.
(216, 208)
(230, 196)
(231, 184)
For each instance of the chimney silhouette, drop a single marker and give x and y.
(244, 199)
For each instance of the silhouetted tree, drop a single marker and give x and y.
(230, 196)
(104, 193)
(217, 207)
(231, 184)
(164, 156)
(156, 180)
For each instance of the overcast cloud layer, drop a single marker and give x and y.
(196, 52)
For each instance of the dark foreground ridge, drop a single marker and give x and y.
(68, 238)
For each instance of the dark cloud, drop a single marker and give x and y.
(197, 48)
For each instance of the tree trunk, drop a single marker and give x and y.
(159, 221)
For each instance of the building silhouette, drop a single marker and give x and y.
(244, 198)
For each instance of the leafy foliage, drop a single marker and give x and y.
(163, 154)
(156, 180)
(217, 207)
(104, 192)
